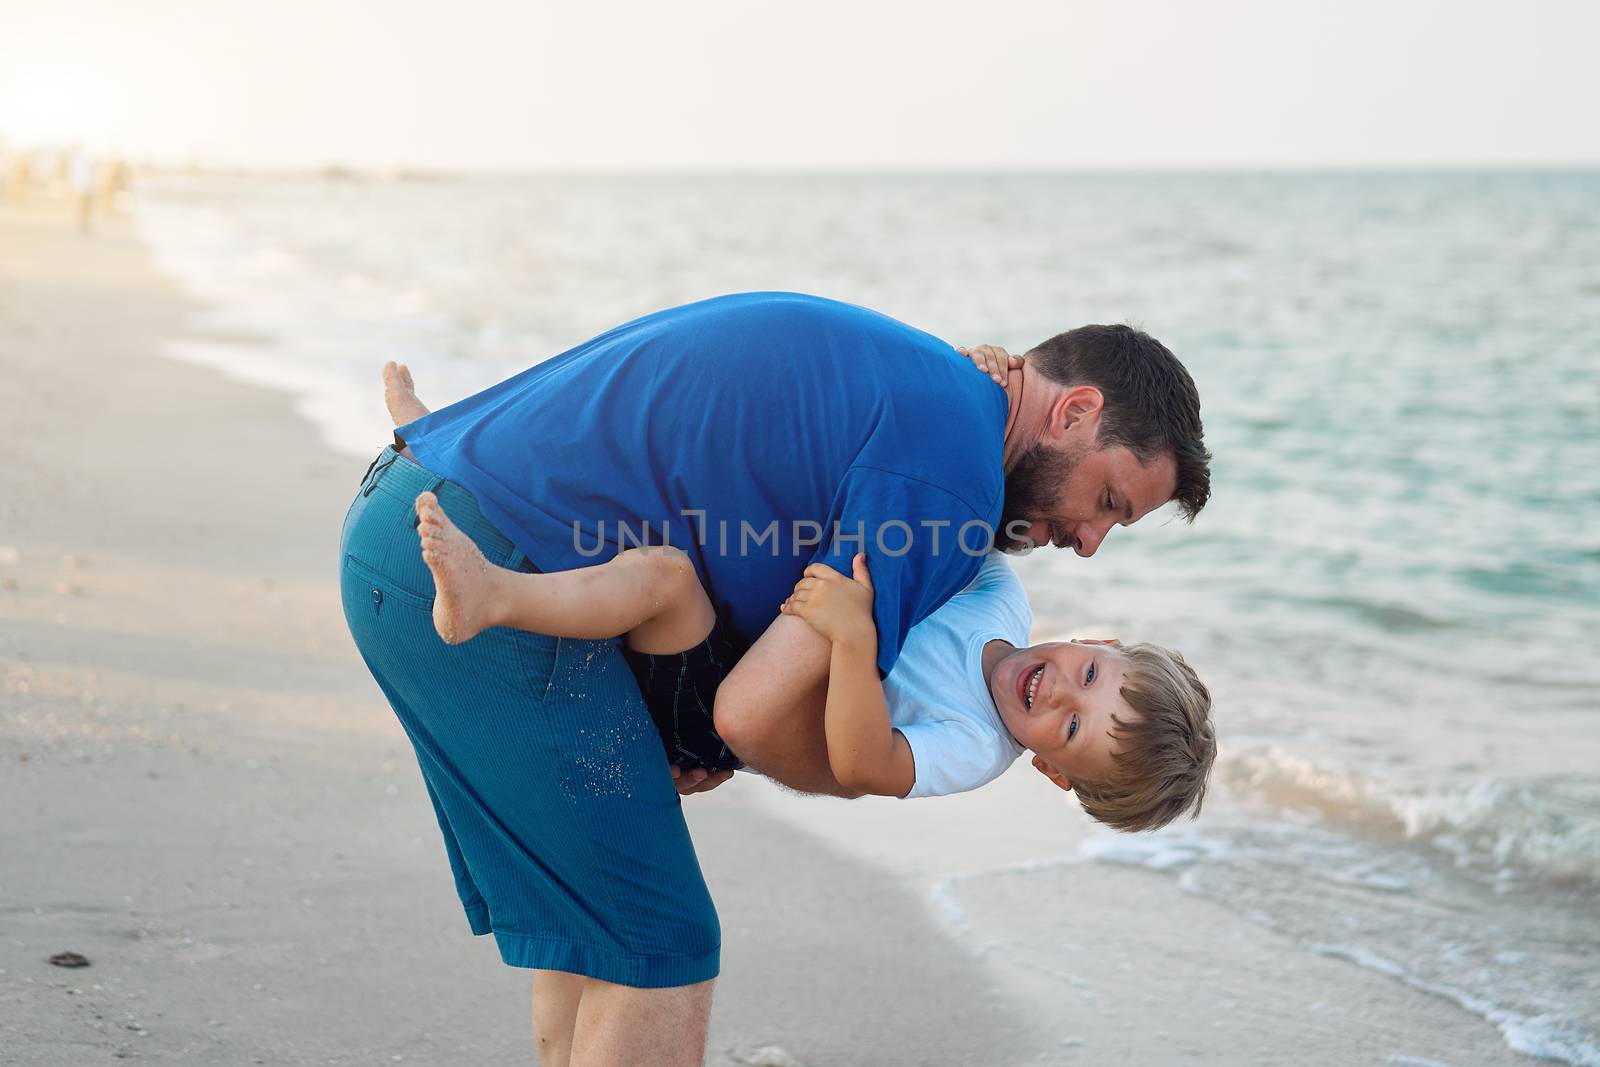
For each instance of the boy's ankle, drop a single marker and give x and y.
(499, 597)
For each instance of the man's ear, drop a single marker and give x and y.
(1044, 768)
(1077, 408)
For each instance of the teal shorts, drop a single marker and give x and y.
(560, 821)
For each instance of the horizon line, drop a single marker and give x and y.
(402, 171)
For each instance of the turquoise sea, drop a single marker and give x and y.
(1395, 592)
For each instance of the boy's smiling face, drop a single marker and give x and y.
(1058, 700)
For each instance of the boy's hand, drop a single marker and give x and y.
(697, 779)
(993, 360)
(837, 607)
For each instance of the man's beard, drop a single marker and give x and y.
(1034, 487)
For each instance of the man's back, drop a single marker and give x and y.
(731, 425)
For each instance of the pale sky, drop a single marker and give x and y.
(825, 84)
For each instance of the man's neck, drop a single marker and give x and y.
(1026, 399)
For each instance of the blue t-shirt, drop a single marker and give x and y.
(759, 432)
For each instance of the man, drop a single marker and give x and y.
(760, 432)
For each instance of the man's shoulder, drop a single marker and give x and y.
(941, 485)
(943, 423)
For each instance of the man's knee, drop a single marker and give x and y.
(624, 1024)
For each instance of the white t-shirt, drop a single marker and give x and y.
(936, 694)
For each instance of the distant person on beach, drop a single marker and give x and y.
(112, 184)
(80, 181)
(19, 174)
(1127, 728)
(763, 433)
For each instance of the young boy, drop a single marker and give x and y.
(1126, 728)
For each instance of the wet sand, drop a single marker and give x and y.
(207, 797)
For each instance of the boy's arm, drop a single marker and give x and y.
(865, 753)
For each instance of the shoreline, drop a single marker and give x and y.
(221, 813)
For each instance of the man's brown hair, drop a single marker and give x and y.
(1151, 403)
(1164, 754)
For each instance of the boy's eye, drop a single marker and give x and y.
(1072, 730)
(1088, 677)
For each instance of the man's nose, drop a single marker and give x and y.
(1090, 538)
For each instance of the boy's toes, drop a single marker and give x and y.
(397, 378)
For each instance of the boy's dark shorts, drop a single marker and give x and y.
(680, 691)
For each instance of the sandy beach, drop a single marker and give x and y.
(209, 800)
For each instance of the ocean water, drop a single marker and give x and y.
(1394, 594)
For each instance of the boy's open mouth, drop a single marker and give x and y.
(1028, 686)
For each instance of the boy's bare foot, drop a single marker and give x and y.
(462, 578)
(400, 395)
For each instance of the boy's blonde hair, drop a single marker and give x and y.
(1164, 754)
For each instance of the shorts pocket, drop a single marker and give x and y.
(537, 655)
(383, 587)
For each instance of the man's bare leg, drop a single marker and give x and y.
(651, 594)
(619, 1026)
(400, 395)
(555, 1014)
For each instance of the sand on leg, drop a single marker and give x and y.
(467, 587)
